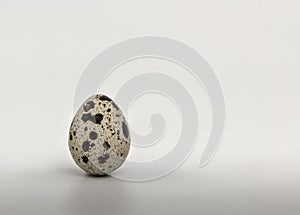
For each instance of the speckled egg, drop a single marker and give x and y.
(99, 139)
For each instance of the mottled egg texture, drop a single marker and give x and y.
(99, 139)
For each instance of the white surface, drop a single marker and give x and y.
(254, 48)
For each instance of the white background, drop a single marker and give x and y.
(254, 48)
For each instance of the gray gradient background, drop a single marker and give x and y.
(254, 48)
